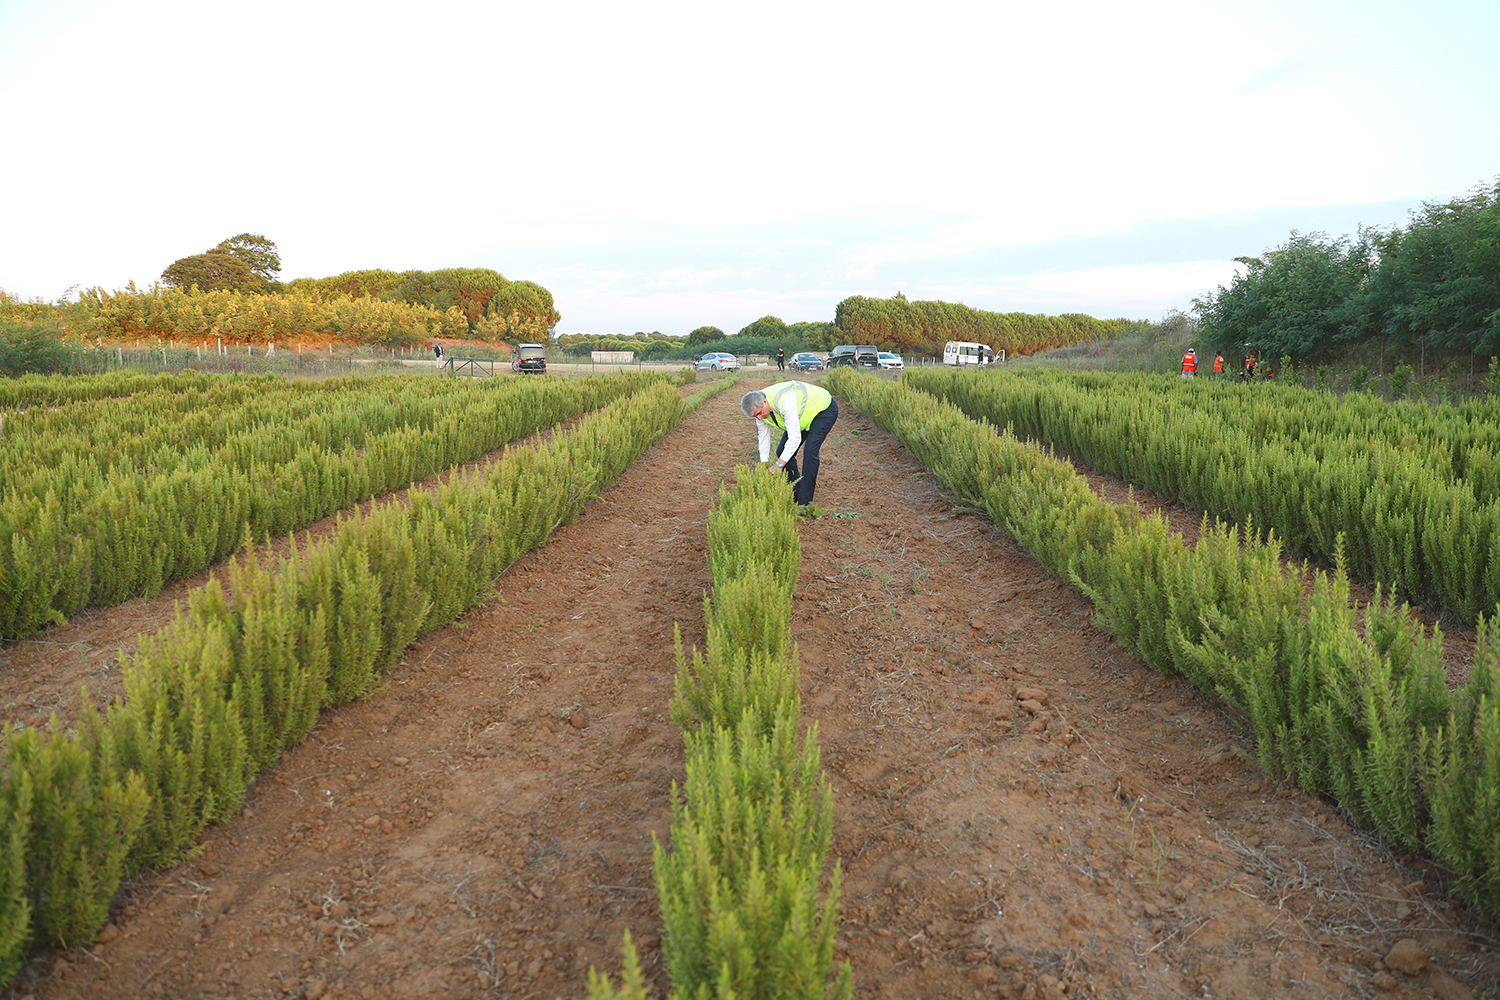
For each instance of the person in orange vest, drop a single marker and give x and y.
(1218, 363)
(1190, 364)
(1251, 357)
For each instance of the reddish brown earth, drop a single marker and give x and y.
(1022, 809)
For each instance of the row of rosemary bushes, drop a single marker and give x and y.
(106, 498)
(1412, 490)
(749, 904)
(214, 699)
(1362, 716)
(29, 390)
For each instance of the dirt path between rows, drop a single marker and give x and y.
(1022, 809)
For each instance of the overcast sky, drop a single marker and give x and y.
(660, 166)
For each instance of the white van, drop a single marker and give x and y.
(963, 352)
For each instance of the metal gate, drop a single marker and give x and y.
(471, 367)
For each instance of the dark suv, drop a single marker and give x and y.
(530, 359)
(854, 354)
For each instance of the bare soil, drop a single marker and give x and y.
(1022, 809)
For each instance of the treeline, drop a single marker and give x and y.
(769, 332)
(924, 327)
(359, 307)
(176, 314)
(1433, 283)
(763, 336)
(645, 345)
(494, 307)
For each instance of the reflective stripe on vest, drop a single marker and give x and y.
(811, 401)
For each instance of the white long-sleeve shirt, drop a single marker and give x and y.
(793, 420)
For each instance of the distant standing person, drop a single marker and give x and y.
(1218, 363)
(1190, 364)
(437, 350)
(781, 359)
(804, 413)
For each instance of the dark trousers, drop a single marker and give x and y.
(812, 446)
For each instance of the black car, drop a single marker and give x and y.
(854, 354)
(530, 359)
(805, 361)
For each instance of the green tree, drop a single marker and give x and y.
(527, 307)
(258, 253)
(704, 334)
(244, 263)
(373, 282)
(213, 272)
(1439, 277)
(1297, 299)
(766, 326)
(468, 288)
(813, 337)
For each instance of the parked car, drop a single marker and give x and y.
(889, 360)
(529, 359)
(965, 353)
(854, 354)
(718, 361)
(806, 361)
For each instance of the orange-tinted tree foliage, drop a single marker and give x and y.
(924, 327)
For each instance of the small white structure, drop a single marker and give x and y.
(613, 357)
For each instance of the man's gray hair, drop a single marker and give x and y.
(751, 401)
